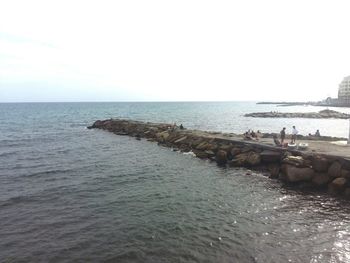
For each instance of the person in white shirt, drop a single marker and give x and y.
(294, 134)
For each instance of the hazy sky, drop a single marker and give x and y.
(173, 50)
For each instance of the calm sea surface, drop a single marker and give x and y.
(68, 194)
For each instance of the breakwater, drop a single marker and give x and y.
(305, 170)
(323, 114)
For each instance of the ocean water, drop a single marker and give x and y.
(69, 194)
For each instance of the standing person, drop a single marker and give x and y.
(294, 134)
(283, 135)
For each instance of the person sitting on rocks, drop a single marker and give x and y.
(276, 141)
(247, 136)
(181, 127)
(255, 135)
(317, 133)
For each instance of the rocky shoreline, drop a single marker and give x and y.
(303, 170)
(324, 114)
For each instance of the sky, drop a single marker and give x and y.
(250, 50)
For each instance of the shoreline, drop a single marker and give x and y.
(323, 167)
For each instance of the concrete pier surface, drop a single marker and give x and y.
(323, 166)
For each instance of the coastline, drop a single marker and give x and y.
(324, 167)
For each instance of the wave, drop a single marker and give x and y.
(6, 154)
(49, 172)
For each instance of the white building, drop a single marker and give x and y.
(344, 91)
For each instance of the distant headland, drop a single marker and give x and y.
(343, 99)
(323, 114)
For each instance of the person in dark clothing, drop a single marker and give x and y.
(276, 141)
(283, 135)
(181, 127)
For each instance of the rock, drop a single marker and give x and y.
(212, 147)
(274, 170)
(246, 159)
(184, 148)
(200, 154)
(347, 193)
(164, 135)
(202, 146)
(210, 153)
(221, 157)
(270, 156)
(293, 174)
(337, 186)
(253, 159)
(226, 147)
(335, 169)
(321, 179)
(345, 173)
(320, 164)
(234, 151)
(180, 140)
(297, 161)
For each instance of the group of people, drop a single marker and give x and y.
(293, 138)
(251, 135)
(283, 137)
(317, 134)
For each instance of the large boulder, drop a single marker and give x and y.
(253, 159)
(221, 157)
(180, 140)
(270, 156)
(96, 125)
(347, 193)
(321, 179)
(246, 159)
(202, 146)
(293, 174)
(296, 161)
(320, 164)
(335, 169)
(210, 153)
(226, 147)
(274, 169)
(337, 186)
(200, 154)
(162, 136)
(234, 151)
(345, 173)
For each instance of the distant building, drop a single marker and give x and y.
(344, 91)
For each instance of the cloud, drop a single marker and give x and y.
(183, 50)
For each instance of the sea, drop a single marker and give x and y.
(69, 194)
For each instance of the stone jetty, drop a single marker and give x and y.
(303, 170)
(323, 114)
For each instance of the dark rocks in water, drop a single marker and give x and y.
(337, 186)
(221, 157)
(323, 114)
(274, 169)
(294, 174)
(200, 154)
(321, 179)
(335, 170)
